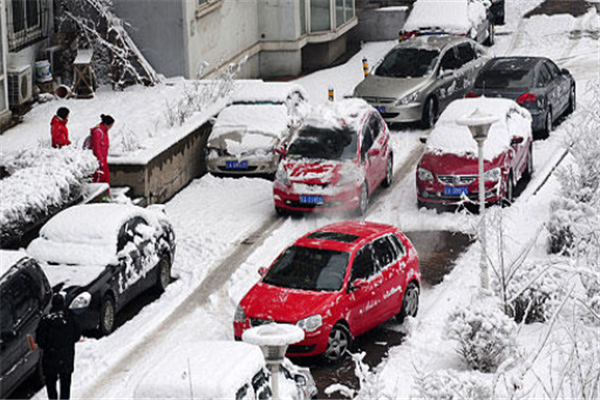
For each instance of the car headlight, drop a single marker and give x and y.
(282, 175)
(81, 301)
(424, 175)
(408, 99)
(493, 174)
(240, 315)
(311, 324)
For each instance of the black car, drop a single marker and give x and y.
(103, 256)
(536, 83)
(25, 297)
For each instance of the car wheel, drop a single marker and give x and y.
(529, 169)
(429, 113)
(509, 195)
(389, 173)
(491, 39)
(410, 302)
(108, 314)
(338, 343)
(572, 101)
(547, 124)
(363, 202)
(164, 275)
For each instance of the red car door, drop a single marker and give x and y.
(390, 291)
(368, 157)
(362, 298)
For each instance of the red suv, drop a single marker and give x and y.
(447, 173)
(335, 161)
(336, 283)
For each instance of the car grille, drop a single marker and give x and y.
(457, 179)
(379, 100)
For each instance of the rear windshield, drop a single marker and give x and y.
(324, 143)
(408, 63)
(505, 79)
(308, 268)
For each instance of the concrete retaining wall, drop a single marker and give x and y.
(167, 173)
(380, 24)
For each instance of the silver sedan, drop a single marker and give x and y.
(419, 77)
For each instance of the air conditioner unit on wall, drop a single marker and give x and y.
(19, 86)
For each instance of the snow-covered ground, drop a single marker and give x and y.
(212, 216)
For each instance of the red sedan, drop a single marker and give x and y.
(335, 161)
(336, 283)
(447, 173)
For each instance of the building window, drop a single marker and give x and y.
(349, 9)
(207, 6)
(25, 20)
(339, 12)
(320, 15)
(302, 17)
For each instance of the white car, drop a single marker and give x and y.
(222, 370)
(470, 18)
(260, 117)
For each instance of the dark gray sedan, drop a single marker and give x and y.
(536, 83)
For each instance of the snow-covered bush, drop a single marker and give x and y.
(42, 180)
(485, 336)
(532, 293)
(452, 385)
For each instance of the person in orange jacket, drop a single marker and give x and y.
(100, 143)
(58, 128)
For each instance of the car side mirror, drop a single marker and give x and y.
(373, 152)
(359, 284)
(300, 379)
(516, 140)
(262, 271)
(565, 71)
(423, 139)
(281, 150)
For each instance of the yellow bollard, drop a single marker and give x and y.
(365, 66)
(330, 94)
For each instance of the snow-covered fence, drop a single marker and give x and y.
(41, 182)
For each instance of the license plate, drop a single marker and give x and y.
(236, 164)
(456, 190)
(311, 199)
(381, 109)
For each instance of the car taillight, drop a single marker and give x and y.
(527, 98)
(471, 96)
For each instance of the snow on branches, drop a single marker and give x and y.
(42, 180)
(105, 32)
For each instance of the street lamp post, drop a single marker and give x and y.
(273, 340)
(479, 124)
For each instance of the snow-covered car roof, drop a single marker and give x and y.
(254, 126)
(450, 16)
(212, 370)
(448, 137)
(256, 91)
(347, 112)
(8, 258)
(86, 234)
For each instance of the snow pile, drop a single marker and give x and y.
(273, 335)
(256, 91)
(452, 385)
(485, 336)
(347, 112)
(448, 137)
(42, 181)
(8, 258)
(451, 16)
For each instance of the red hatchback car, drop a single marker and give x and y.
(447, 173)
(335, 161)
(336, 283)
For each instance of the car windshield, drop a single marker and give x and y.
(324, 143)
(408, 63)
(307, 268)
(505, 79)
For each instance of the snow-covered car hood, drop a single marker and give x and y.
(313, 172)
(72, 275)
(453, 16)
(285, 305)
(383, 86)
(241, 142)
(73, 253)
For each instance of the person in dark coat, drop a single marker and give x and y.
(58, 128)
(56, 335)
